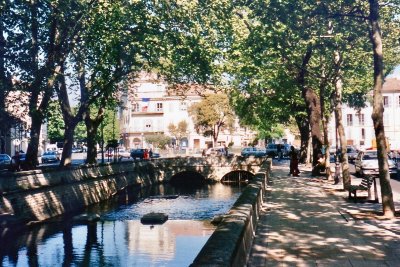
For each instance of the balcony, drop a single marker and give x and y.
(147, 112)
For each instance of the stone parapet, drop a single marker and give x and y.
(230, 243)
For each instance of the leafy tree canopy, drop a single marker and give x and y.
(212, 114)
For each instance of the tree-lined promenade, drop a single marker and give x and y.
(280, 63)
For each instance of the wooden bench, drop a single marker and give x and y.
(365, 185)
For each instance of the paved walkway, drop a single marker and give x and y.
(306, 222)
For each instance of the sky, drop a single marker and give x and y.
(395, 73)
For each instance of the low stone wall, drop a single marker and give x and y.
(230, 243)
(37, 196)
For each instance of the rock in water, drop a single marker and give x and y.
(154, 218)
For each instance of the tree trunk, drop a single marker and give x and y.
(314, 114)
(215, 135)
(313, 107)
(31, 160)
(325, 120)
(377, 114)
(43, 82)
(304, 129)
(66, 157)
(340, 128)
(328, 174)
(91, 141)
(92, 126)
(71, 120)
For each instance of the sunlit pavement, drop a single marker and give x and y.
(306, 222)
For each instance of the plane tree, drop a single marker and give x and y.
(178, 131)
(38, 38)
(106, 53)
(374, 20)
(212, 115)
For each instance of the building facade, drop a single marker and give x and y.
(358, 124)
(148, 107)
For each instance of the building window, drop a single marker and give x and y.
(148, 125)
(183, 106)
(159, 107)
(349, 119)
(363, 133)
(135, 107)
(360, 118)
(386, 103)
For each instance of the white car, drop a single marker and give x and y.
(366, 163)
(122, 153)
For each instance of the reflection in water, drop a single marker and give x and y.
(119, 239)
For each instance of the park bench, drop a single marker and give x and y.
(365, 185)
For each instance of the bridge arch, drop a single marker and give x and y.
(237, 176)
(187, 178)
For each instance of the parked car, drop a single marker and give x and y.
(21, 159)
(139, 154)
(5, 161)
(50, 156)
(272, 150)
(122, 153)
(352, 153)
(253, 151)
(215, 151)
(77, 150)
(366, 163)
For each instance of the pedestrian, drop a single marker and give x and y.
(151, 153)
(226, 150)
(16, 161)
(279, 151)
(294, 162)
(203, 153)
(146, 154)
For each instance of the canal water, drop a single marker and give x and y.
(119, 238)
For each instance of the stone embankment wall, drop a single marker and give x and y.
(40, 195)
(37, 195)
(230, 243)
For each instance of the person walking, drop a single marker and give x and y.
(294, 162)
(146, 154)
(279, 151)
(16, 161)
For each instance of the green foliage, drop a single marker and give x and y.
(55, 126)
(178, 131)
(212, 114)
(158, 140)
(80, 133)
(55, 123)
(109, 127)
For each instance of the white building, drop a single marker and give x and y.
(150, 107)
(358, 124)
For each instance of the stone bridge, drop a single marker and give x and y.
(41, 194)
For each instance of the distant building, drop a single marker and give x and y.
(17, 137)
(149, 107)
(358, 124)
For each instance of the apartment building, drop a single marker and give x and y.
(358, 124)
(149, 106)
